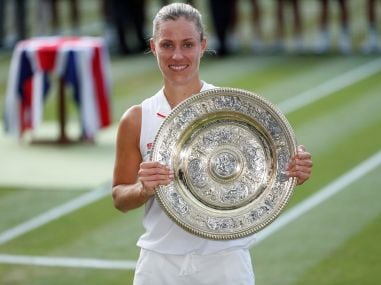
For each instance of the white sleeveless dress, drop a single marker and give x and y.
(162, 234)
(170, 255)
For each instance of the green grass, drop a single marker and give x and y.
(61, 276)
(356, 261)
(34, 202)
(316, 236)
(91, 231)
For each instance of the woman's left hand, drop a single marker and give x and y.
(300, 165)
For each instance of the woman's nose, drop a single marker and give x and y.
(177, 54)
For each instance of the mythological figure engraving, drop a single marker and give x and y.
(224, 164)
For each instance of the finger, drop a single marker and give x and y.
(154, 171)
(301, 175)
(301, 178)
(156, 183)
(152, 164)
(301, 148)
(303, 162)
(300, 168)
(303, 155)
(291, 165)
(150, 187)
(157, 177)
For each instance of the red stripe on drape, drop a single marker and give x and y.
(100, 88)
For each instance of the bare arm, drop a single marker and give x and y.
(134, 181)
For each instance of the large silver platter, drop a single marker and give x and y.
(229, 149)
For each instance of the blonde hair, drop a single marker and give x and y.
(175, 11)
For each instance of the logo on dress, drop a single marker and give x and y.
(161, 115)
(149, 148)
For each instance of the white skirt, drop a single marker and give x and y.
(228, 267)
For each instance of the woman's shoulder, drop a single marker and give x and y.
(129, 127)
(132, 115)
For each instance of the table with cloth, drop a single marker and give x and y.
(79, 62)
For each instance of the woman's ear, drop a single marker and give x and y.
(203, 46)
(152, 46)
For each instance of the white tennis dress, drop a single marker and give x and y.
(168, 252)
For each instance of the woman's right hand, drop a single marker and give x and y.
(152, 174)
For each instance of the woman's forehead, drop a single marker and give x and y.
(180, 28)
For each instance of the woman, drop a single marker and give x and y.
(170, 255)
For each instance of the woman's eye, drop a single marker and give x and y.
(188, 45)
(166, 45)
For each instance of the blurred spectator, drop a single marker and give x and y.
(74, 16)
(281, 25)
(49, 17)
(223, 14)
(371, 45)
(2, 23)
(43, 18)
(125, 17)
(324, 37)
(257, 44)
(106, 15)
(19, 18)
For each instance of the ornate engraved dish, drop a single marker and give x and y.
(229, 149)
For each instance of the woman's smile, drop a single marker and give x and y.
(178, 67)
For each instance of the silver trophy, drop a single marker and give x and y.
(229, 149)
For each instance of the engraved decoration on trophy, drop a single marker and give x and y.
(229, 149)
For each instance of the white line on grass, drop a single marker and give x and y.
(331, 189)
(55, 213)
(67, 262)
(329, 87)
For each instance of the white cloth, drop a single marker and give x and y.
(80, 62)
(162, 235)
(223, 268)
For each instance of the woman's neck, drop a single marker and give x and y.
(175, 94)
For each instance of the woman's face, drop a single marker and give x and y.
(178, 49)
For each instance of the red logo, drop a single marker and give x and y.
(161, 115)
